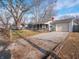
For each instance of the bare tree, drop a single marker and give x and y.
(4, 20)
(36, 8)
(48, 10)
(17, 9)
(5, 24)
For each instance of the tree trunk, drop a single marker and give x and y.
(17, 25)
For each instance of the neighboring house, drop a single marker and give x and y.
(41, 25)
(19, 27)
(67, 25)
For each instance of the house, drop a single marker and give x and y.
(41, 25)
(67, 24)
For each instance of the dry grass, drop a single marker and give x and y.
(24, 33)
(71, 47)
(26, 50)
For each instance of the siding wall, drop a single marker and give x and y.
(70, 27)
(67, 27)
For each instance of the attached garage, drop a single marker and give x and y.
(64, 27)
(67, 25)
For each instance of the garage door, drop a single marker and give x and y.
(63, 27)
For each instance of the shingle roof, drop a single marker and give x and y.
(62, 21)
(41, 21)
(66, 20)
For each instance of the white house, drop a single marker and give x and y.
(49, 23)
(68, 24)
(41, 25)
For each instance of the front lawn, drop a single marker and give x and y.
(24, 33)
